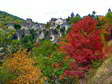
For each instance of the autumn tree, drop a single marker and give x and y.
(83, 44)
(23, 68)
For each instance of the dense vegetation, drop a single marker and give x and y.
(6, 18)
(84, 54)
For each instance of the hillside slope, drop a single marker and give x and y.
(6, 18)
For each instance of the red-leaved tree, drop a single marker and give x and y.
(83, 44)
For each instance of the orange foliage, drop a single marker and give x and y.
(101, 18)
(21, 65)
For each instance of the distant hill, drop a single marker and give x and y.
(6, 18)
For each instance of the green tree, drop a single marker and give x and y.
(7, 44)
(74, 19)
(50, 60)
(27, 41)
(17, 26)
(108, 17)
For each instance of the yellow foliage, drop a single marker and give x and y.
(23, 66)
(101, 18)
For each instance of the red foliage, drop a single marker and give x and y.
(83, 44)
